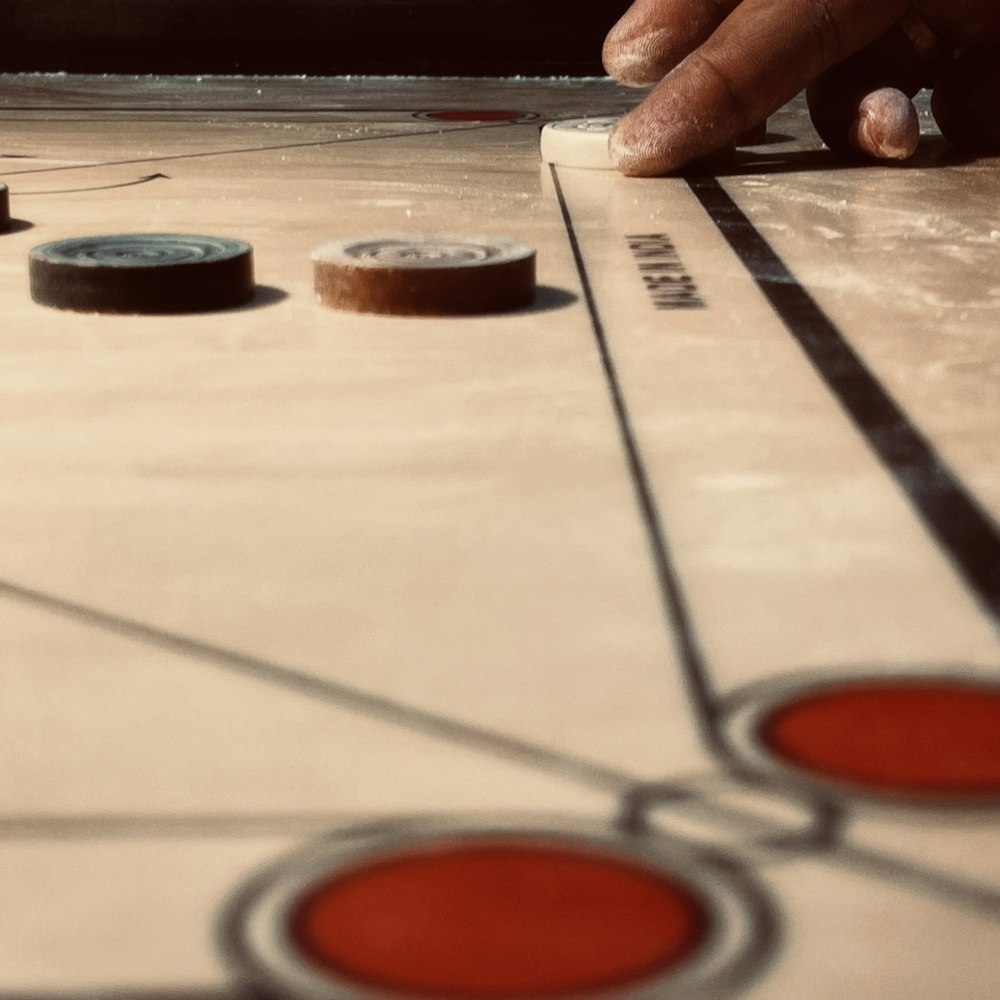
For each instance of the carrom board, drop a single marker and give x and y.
(690, 571)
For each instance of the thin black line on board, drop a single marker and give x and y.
(126, 993)
(387, 710)
(920, 879)
(164, 826)
(261, 149)
(823, 840)
(178, 826)
(670, 588)
(963, 530)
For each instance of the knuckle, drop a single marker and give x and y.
(723, 85)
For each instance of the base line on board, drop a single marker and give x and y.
(671, 590)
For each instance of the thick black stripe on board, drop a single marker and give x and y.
(961, 527)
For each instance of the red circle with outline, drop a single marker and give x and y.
(499, 920)
(936, 737)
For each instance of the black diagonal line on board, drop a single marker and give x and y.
(312, 144)
(671, 590)
(963, 530)
(922, 879)
(388, 710)
(164, 826)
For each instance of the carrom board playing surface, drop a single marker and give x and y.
(670, 601)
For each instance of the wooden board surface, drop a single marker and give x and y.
(271, 573)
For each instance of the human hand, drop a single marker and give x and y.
(722, 66)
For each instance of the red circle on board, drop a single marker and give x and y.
(473, 116)
(931, 737)
(499, 920)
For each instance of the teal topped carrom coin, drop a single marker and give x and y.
(135, 273)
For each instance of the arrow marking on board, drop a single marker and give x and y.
(103, 187)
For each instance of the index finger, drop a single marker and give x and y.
(759, 57)
(653, 36)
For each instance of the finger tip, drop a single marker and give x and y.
(659, 155)
(887, 126)
(648, 143)
(635, 153)
(626, 155)
(636, 59)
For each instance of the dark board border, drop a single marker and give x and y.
(312, 37)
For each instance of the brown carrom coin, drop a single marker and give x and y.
(425, 275)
